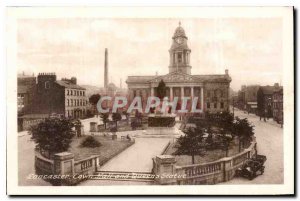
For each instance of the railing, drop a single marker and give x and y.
(206, 173)
(89, 163)
(203, 169)
(224, 168)
(240, 158)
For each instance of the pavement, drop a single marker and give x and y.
(136, 158)
(26, 162)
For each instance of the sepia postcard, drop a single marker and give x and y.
(150, 100)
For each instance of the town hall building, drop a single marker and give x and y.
(212, 90)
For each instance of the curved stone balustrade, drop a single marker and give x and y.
(222, 170)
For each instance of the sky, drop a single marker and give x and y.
(251, 49)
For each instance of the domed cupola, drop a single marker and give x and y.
(180, 52)
(179, 32)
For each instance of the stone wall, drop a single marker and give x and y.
(167, 173)
(64, 165)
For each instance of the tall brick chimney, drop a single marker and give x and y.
(106, 69)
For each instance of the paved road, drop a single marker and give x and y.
(269, 138)
(26, 161)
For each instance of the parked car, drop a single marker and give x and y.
(252, 167)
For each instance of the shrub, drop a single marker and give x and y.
(90, 142)
(53, 135)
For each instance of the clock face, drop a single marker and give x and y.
(179, 40)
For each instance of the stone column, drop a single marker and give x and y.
(152, 91)
(171, 93)
(182, 92)
(192, 92)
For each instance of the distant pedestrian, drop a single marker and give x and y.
(128, 137)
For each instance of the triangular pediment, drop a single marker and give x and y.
(175, 77)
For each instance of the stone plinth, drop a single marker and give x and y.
(64, 163)
(164, 169)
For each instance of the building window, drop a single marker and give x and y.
(207, 105)
(83, 93)
(47, 85)
(222, 105)
(208, 93)
(215, 105)
(71, 92)
(77, 102)
(71, 102)
(179, 58)
(68, 92)
(80, 102)
(67, 102)
(221, 93)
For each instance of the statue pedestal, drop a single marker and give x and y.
(161, 131)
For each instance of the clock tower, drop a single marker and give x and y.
(180, 52)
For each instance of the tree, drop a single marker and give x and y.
(138, 117)
(226, 139)
(161, 89)
(104, 117)
(126, 116)
(223, 121)
(191, 143)
(93, 99)
(243, 130)
(116, 117)
(77, 124)
(53, 135)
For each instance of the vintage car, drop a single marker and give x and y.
(252, 167)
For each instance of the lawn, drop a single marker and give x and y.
(106, 151)
(209, 156)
